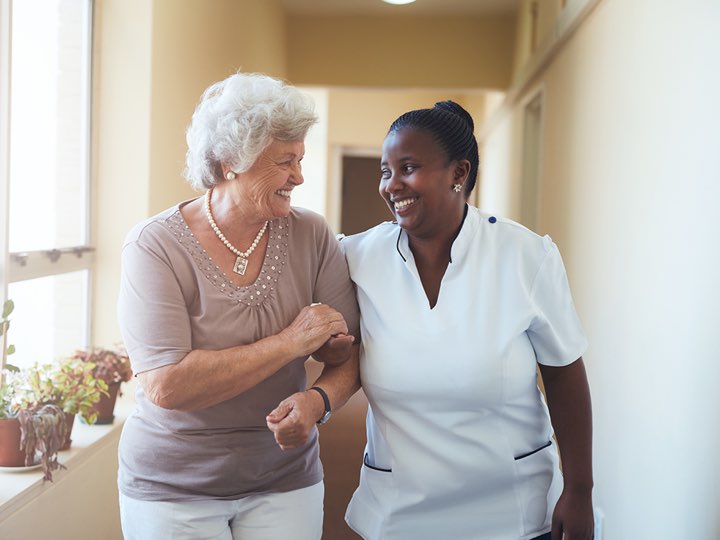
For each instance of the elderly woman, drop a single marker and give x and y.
(222, 300)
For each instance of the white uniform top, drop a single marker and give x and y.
(459, 436)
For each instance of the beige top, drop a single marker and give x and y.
(174, 299)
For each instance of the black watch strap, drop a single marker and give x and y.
(326, 415)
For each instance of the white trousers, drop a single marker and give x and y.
(296, 515)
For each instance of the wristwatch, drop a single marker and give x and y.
(328, 413)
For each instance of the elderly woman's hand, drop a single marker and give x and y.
(313, 327)
(335, 351)
(294, 418)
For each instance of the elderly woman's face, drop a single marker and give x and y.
(273, 176)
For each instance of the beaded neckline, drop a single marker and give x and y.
(273, 264)
(241, 262)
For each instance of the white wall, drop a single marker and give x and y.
(631, 186)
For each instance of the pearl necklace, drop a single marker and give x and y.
(242, 256)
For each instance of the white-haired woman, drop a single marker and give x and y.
(223, 298)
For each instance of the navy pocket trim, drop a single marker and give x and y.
(365, 462)
(534, 451)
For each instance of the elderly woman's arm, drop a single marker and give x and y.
(204, 378)
(568, 398)
(294, 418)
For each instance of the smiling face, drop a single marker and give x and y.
(416, 182)
(267, 185)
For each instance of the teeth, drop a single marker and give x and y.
(283, 192)
(399, 205)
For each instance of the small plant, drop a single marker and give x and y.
(77, 388)
(43, 430)
(68, 383)
(111, 365)
(40, 397)
(41, 424)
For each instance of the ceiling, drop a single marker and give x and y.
(378, 7)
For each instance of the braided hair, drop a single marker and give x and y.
(452, 127)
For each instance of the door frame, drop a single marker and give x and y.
(335, 183)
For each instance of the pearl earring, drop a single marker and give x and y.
(230, 175)
(457, 188)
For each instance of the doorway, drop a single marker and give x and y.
(361, 205)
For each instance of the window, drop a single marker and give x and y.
(45, 59)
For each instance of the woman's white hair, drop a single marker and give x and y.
(237, 119)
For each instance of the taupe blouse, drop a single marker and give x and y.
(173, 299)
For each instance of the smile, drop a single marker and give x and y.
(399, 205)
(283, 193)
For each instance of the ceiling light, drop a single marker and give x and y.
(398, 2)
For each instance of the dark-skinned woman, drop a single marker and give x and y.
(458, 310)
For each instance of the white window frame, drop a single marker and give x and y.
(21, 266)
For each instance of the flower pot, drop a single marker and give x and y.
(69, 422)
(10, 453)
(106, 406)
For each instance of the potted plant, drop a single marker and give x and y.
(111, 366)
(68, 383)
(11, 454)
(43, 430)
(30, 428)
(38, 405)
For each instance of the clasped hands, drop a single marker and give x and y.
(321, 331)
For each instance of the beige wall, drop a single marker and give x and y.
(630, 186)
(194, 46)
(392, 51)
(121, 144)
(538, 28)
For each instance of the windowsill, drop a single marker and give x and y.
(18, 488)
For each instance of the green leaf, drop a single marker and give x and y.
(11, 349)
(12, 369)
(8, 307)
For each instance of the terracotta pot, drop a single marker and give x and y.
(106, 406)
(10, 453)
(69, 422)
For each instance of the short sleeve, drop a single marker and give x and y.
(152, 314)
(333, 285)
(555, 331)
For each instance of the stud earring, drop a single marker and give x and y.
(230, 175)
(457, 188)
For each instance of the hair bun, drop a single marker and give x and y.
(456, 109)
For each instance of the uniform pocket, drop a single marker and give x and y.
(367, 463)
(372, 502)
(536, 471)
(528, 454)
